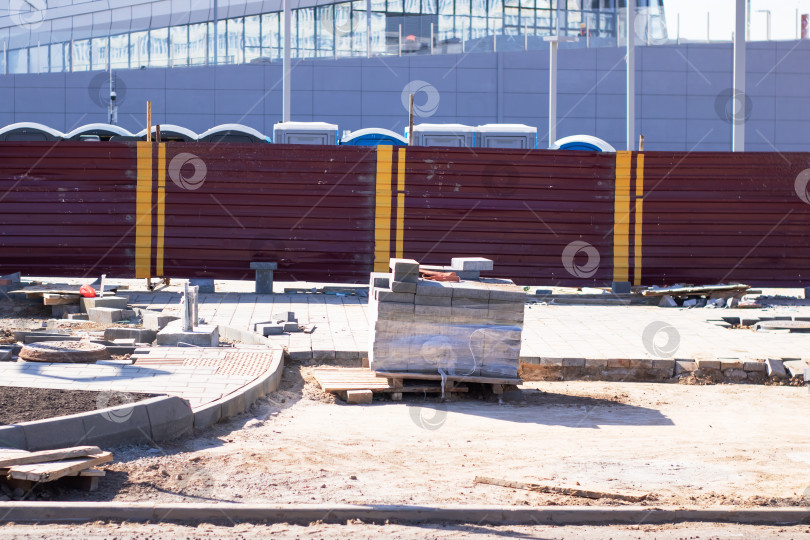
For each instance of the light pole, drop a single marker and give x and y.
(767, 13)
(738, 95)
(631, 74)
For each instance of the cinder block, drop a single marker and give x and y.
(206, 285)
(385, 295)
(117, 302)
(154, 320)
(169, 417)
(573, 362)
(6, 354)
(471, 263)
(425, 287)
(404, 269)
(140, 335)
(61, 312)
(270, 329)
(105, 315)
(363, 397)
(420, 300)
(775, 368)
(664, 365)
(795, 368)
(78, 317)
(291, 327)
(403, 287)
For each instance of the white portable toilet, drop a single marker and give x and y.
(321, 133)
(457, 135)
(506, 136)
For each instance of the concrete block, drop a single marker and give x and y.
(477, 293)
(470, 303)
(140, 335)
(78, 317)
(795, 368)
(394, 309)
(117, 302)
(477, 315)
(363, 397)
(807, 292)
(291, 327)
(505, 317)
(730, 363)
(479, 264)
(573, 362)
(233, 404)
(206, 285)
(264, 276)
(127, 314)
(436, 312)
(123, 424)
(385, 295)
(685, 366)
(61, 432)
(124, 342)
(507, 296)
(201, 336)
(6, 354)
(404, 269)
(105, 315)
(13, 437)
(508, 307)
(154, 320)
(207, 415)
(380, 280)
(620, 287)
(664, 365)
(273, 329)
(61, 312)
(755, 367)
(735, 373)
(403, 287)
(775, 368)
(667, 301)
(433, 300)
(169, 417)
(708, 364)
(425, 287)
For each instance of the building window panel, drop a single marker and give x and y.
(446, 7)
(395, 6)
(222, 43)
(57, 58)
(38, 59)
(325, 31)
(99, 54)
(138, 49)
(159, 47)
(18, 61)
(343, 29)
(378, 38)
(253, 38)
(198, 44)
(359, 32)
(428, 6)
(119, 51)
(179, 43)
(306, 32)
(80, 55)
(478, 28)
(412, 6)
(271, 36)
(236, 41)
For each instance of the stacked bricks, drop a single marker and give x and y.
(464, 328)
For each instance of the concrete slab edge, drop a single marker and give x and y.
(490, 515)
(133, 423)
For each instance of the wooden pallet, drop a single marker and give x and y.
(22, 469)
(337, 380)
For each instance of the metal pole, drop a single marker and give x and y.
(708, 27)
(464, 33)
(431, 38)
(216, 32)
(738, 96)
(285, 85)
(368, 28)
(39, 67)
(400, 40)
(631, 75)
(679, 28)
(552, 93)
(410, 121)
(525, 36)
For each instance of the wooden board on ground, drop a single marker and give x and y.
(50, 299)
(23, 457)
(574, 492)
(691, 290)
(47, 472)
(38, 291)
(456, 378)
(343, 379)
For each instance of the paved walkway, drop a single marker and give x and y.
(550, 331)
(209, 375)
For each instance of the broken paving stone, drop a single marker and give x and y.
(776, 368)
(667, 301)
(795, 368)
(291, 327)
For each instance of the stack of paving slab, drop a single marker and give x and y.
(466, 328)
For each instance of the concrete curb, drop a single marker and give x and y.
(134, 423)
(340, 513)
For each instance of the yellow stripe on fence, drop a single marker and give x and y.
(621, 217)
(382, 210)
(143, 210)
(161, 207)
(400, 201)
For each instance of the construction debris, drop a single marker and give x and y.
(691, 290)
(22, 469)
(574, 492)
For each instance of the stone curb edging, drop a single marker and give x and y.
(154, 419)
(340, 513)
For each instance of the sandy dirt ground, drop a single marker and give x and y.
(682, 531)
(693, 445)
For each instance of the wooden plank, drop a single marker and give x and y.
(46, 472)
(8, 459)
(60, 299)
(561, 490)
(460, 378)
(692, 290)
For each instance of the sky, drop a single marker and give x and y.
(693, 18)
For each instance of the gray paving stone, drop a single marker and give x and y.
(105, 315)
(403, 287)
(140, 335)
(755, 367)
(404, 269)
(207, 415)
(421, 300)
(12, 437)
(776, 368)
(795, 368)
(471, 263)
(117, 302)
(426, 287)
(124, 424)
(385, 295)
(685, 366)
(154, 320)
(52, 433)
(169, 417)
(201, 336)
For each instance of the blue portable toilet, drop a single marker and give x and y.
(373, 137)
(588, 143)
